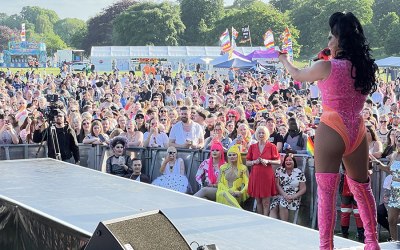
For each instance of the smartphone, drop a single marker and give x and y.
(101, 137)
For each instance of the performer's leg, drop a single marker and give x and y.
(359, 224)
(359, 184)
(329, 148)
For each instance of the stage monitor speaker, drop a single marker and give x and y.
(147, 231)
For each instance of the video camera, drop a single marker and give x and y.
(53, 108)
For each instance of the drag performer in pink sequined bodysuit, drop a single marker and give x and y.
(345, 81)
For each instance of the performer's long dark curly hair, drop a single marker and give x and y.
(355, 48)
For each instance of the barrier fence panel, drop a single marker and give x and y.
(88, 156)
(21, 151)
(95, 157)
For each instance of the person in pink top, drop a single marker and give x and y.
(345, 81)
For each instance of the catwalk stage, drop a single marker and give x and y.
(76, 199)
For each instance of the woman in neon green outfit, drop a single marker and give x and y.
(233, 180)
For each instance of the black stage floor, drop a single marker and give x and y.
(80, 198)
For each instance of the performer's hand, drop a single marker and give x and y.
(283, 56)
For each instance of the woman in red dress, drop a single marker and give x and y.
(262, 181)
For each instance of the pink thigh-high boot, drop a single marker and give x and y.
(367, 209)
(327, 192)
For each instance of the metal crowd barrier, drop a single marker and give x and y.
(95, 156)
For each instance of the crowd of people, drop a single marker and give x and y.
(263, 115)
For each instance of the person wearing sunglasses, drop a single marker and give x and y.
(172, 172)
(383, 129)
(233, 180)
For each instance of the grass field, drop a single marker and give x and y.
(54, 71)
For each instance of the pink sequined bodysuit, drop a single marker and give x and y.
(342, 104)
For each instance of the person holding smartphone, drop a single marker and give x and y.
(96, 135)
(7, 133)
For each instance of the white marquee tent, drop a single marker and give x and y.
(389, 62)
(104, 56)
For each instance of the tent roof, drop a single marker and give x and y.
(163, 51)
(391, 61)
(235, 63)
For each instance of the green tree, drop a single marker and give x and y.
(260, 17)
(43, 19)
(78, 38)
(32, 13)
(192, 14)
(67, 27)
(100, 27)
(53, 42)
(243, 3)
(385, 25)
(311, 18)
(285, 5)
(43, 25)
(14, 21)
(148, 24)
(392, 45)
(382, 7)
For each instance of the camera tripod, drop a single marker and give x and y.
(54, 141)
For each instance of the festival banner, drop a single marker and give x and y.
(225, 41)
(245, 34)
(269, 40)
(22, 34)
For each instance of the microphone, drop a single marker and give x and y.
(323, 55)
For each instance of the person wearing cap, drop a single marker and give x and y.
(68, 144)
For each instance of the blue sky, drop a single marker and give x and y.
(82, 9)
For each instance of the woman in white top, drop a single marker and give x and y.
(172, 173)
(134, 137)
(156, 137)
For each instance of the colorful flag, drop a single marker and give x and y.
(22, 34)
(225, 41)
(310, 146)
(235, 34)
(269, 39)
(287, 44)
(245, 34)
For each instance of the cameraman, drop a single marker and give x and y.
(67, 141)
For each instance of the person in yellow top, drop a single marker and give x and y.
(233, 180)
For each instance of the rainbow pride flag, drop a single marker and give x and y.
(269, 39)
(310, 146)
